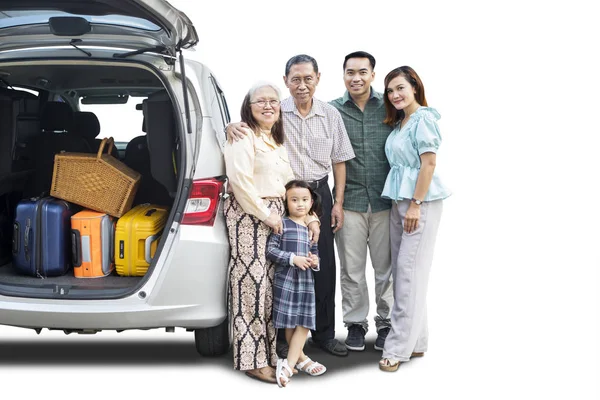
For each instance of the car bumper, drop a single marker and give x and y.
(188, 289)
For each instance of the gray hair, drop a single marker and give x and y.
(247, 117)
(301, 59)
(262, 84)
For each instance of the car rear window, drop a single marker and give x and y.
(9, 19)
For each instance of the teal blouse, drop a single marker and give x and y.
(403, 147)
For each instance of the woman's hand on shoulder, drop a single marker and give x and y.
(236, 131)
(274, 222)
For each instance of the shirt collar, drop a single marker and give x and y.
(269, 140)
(288, 105)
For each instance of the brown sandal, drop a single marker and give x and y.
(265, 374)
(386, 364)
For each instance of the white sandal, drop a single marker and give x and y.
(309, 370)
(280, 374)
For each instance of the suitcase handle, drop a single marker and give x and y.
(75, 247)
(121, 249)
(148, 246)
(113, 226)
(26, 240)
(111, 143)
(15, 238)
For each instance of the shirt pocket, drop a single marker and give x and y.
(320, 151)
(261, 147)
(284, 171)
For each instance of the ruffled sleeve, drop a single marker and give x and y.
(403, 149)
(427, 132)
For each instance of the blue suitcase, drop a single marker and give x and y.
(41, 237)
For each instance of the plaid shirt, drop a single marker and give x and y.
(366, 173)
(316, 141)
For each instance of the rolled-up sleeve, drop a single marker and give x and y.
(342, 148)
(239, 164)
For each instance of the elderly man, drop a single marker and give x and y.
(317, 144)
(366, 213)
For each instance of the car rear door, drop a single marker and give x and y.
(142, 22)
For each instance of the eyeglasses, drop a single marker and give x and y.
(263, 103)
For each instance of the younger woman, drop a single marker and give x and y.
(293, 287)
(417, 191)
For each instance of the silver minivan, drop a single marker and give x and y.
(59, 60)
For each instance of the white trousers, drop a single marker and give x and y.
(362, 231)
(412, 255)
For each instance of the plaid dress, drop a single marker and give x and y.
(293, 288)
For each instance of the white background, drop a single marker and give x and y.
(512, 302)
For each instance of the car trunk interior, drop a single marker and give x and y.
(35, 127)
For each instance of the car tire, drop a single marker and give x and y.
(212, 342)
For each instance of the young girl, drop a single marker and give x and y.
(293, 287)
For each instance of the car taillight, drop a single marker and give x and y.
(203, 203)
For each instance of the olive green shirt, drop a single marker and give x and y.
(366, 173)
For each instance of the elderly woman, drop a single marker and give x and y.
(258, 169)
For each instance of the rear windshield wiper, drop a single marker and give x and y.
(156, 49)
(72, 43)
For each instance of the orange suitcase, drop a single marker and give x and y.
(92, 240)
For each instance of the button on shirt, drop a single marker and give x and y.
(403, 148)
(257, 167)
(316, 141)
(366, 173)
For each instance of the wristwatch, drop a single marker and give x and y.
(416, 201)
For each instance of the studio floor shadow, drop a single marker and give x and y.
(104, 352)
(354, 359)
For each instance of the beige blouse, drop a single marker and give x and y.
(257, 167)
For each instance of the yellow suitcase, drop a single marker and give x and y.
(136, 238)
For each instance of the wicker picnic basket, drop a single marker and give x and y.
(96, 181)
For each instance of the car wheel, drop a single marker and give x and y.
(211, 342)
